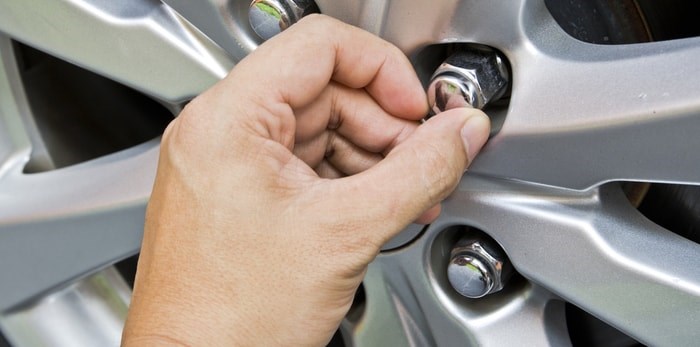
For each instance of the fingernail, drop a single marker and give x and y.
(474, 133)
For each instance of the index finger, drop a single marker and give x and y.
(318, 49)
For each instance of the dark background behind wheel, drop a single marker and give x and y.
(674, 207)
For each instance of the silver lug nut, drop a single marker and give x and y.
(477, 268)
(470, 78)
(270, 17)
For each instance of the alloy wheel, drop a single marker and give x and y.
(581, 119)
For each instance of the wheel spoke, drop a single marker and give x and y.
(15, 145)
(142, 44)
(573, 85)
(412, 25)
(583, 114)
(19, 136)
(64, 223)
(594, 250)
(225, 22)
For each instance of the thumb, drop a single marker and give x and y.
(421, 171)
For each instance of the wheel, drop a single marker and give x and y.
(554, 188)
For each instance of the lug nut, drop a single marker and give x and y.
(477, 268)
(270, 17)
(471, 78)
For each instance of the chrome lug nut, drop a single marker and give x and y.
(477, 268)
(470, 78)
(270, 17)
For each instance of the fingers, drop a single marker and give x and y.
(354, 114)
(325, 170)
(319, 49)
(338, 152)
(430, 215)
(420, 172)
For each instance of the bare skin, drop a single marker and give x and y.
(278, 186)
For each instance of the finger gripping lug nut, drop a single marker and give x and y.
(470, 78)
(270, 17)
(477, 268)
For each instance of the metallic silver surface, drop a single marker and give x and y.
(225, 22)
(469, 276)
(580, 116)
(90, 312)
(470, 78)
(581, 232)
(477, 269)
(270, 17)
(142, 44)
(410, 302)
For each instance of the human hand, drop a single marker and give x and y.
(278, 186)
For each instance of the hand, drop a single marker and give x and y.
(278, 186)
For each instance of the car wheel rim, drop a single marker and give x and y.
(580, 119)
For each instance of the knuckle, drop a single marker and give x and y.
(168, 133)
(191, 132)
(317, 22)
(313, 18)
(181, 127)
